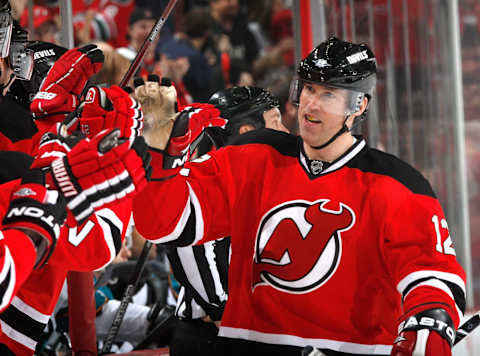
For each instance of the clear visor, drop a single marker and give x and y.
(21, 59)
(331, 100)
(6, 26)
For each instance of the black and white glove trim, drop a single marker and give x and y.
(429, 320)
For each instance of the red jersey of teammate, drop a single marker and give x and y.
(308, 266)
(88, 247)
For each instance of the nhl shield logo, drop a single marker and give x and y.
(299, 245)
(316, 167)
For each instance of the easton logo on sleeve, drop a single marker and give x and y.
(298, 245)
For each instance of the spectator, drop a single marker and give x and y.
(140, 24)
(45, 27)
(198, 78)
(231, 32)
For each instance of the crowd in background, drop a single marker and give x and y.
(204, 46)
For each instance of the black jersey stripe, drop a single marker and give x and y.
(188, 234)
(115, 233)
(370, 160)
(283, 142)
(23, 323)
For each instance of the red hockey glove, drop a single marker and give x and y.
(100, 171)
(106, 108)
(61, 89)
(428, 333)
(52, 146)
(186, 131)
(38, 212)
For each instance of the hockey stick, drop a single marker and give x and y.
(134, 279)
(467, 327)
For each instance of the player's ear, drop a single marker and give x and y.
(245, 128)
(363, 106)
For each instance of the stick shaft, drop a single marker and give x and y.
(148, 41)
(467, 327)
(117, 320)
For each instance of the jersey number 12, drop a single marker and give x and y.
(447, 247)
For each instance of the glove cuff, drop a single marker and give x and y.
(437, 320)
(76, 199)
(37, 222)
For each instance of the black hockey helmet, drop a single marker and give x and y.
(340, 64)
(45, 54)
(337, 64)
(242, 105)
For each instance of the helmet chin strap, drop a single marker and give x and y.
(334, 137)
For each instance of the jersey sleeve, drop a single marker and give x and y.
(95, 243)
(187, 207)
(422, 259)
(17, 257)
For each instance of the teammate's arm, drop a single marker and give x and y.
(30, 229)
(188, 197)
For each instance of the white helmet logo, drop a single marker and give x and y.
(320, 63)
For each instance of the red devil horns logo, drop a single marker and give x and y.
(298, 245)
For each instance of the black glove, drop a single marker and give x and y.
(37, 212)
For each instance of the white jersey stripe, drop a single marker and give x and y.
(30, 311)
(17, 336)
(179, 227)
(199, 226)
(412, 277)
(282, 339)
(8, 266)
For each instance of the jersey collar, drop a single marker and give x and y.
(316, 168)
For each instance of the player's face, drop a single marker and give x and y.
(140, 29)
(321, 112)
(6, 72)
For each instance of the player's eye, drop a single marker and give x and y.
(328, 95)
(310, 88)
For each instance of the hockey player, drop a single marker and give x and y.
(98, 185)
(248, 108)
(334, 244)
(23, 322)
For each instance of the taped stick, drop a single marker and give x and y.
(466, 328)
(119, 315)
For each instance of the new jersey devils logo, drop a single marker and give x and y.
(298, 245)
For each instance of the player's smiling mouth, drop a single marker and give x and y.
(310, 118)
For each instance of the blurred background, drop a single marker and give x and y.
(427, 104)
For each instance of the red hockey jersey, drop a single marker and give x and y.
(332, 259)
(88, 247)
(17, 252)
